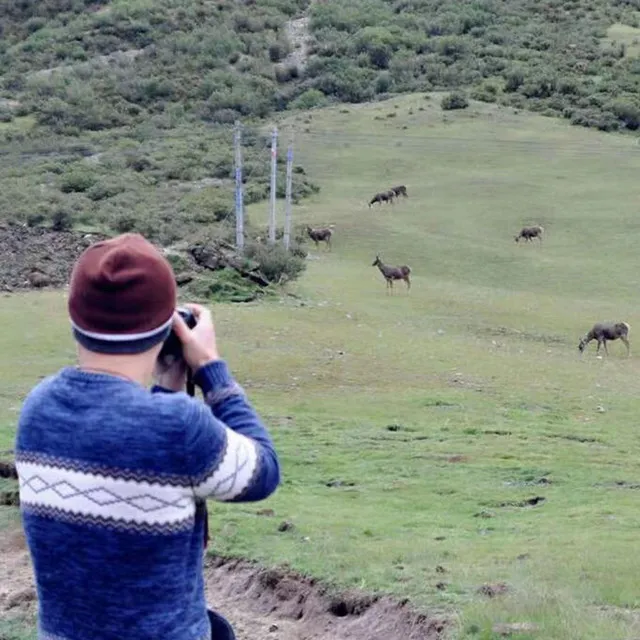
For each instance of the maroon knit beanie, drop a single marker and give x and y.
(122, 296)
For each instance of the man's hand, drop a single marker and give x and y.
(198, 344)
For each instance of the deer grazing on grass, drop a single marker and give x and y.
(393, 273)
(321, 235)
(603, 331)
(379, 197)
(529, 233)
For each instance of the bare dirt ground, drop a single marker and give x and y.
(38, 257)
(260, 603)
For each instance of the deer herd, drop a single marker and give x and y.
(601, 332)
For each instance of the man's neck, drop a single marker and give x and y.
(130, 367)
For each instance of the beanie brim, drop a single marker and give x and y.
(122, 343)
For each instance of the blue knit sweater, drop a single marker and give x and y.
(109, 476)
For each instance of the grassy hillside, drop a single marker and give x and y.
(102, 103)
(416, 429)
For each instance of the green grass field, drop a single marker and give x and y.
(435, 414)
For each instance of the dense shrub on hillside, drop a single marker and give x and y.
(547, 58)
(168, 185)
(454, 100)
(276, 264)
(174, 60)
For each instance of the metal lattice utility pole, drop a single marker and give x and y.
(237, 141)
(272, 204)
(287, 205)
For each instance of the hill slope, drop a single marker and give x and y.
(121, 62)
(441, 439)
(117, 115)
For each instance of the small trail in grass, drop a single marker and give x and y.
(299, 36)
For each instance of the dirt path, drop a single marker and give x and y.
(261, 604)
(298, 35)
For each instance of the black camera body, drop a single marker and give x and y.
(172, 346)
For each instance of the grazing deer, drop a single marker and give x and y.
(603, 331)
(321, 235)
(400, 190)
(393, 273)
(379, 197)
(528, 233)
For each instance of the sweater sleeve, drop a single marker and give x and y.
(229, 450)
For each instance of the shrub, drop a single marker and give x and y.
(627, 112)
(383, 82)
(488, 91)
(454, 100)
(286, 73)
(539, 87)
(275, 262)
(125, 223)
(514, 80)
(277, 52)
(310, 99)
(104, 190)
(208, 205)
(35, 219)
(61, 220)
(77, 181)
(138, 162)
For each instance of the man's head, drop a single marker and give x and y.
(122, 297)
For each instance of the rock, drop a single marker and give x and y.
(286, 526)
(37, 279)
(8, 470)
(493, 590)
(20, 597)
(184, 278)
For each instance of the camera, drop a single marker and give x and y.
(172, 347)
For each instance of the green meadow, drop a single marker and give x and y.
(441, 438)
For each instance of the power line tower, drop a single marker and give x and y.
(237, 143)
(287, 205)
(274, 168)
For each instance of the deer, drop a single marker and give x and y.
(321, 235)
(400, 190)
(603, 331)
(393, 273)
(379, 197)
(528, 233)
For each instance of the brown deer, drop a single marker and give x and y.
(379, 197)
(321, 235)
(400, 190)
(528, 233)
(603, 331)
(393, 273)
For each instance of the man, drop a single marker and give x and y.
(111, 474)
